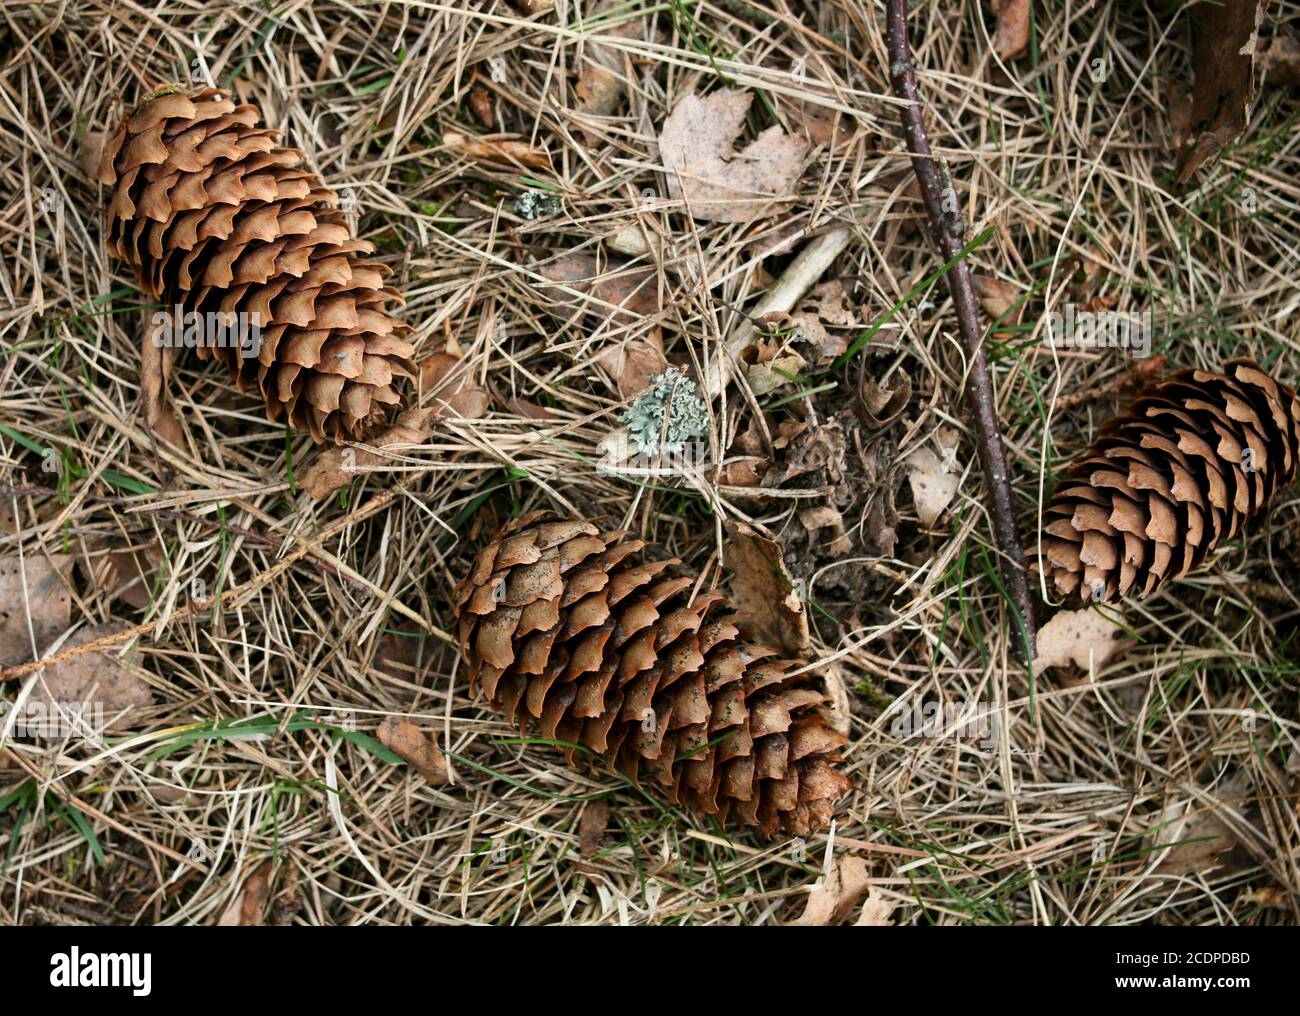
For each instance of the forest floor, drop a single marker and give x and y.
(508, 168)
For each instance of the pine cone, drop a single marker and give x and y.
(1165, 481)
(215, 218)
(568, 626)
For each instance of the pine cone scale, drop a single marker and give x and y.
(1165, 482)
(564, 627)
(215, 218)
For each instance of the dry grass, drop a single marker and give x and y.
(1052, 826)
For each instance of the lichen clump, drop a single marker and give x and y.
(535, 204)
(668, 414)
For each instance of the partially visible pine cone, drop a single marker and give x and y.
(1167, 480)
(215, 217)
(573, 629)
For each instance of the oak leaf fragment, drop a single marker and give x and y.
(718, 183)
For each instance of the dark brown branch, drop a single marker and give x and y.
(949, 234)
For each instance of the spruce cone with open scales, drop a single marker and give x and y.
(1167, 480)
(215, 217)
(573, 629)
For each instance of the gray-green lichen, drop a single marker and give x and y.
(535, 204)
(672, 397)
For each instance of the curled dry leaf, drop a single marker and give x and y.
(933, 485)
(1086, 638)
(503, 151)
(718, 183)
(833, 898)
(407, 740)
(826, 517)
(1225, 38)
(592, 826)
(822, 126)
(105, 681)
(32, 589)
(878, 407)
(335, 467)
(768, 606)
(1011, 37)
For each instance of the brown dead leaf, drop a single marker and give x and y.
(503, 151)
(834, 897)
(35, 589)
(1198, 839)
(483, 105)
(592, 825)
(1224, 40)
(407, 740)
(1011, 37)
(609, 291)
(604, 289)
(998, 300)
(338, 465)
(458, 399)
(822, 126)
(746, 471)
(127, 571)
(103, 680)
(397, 653)
(876, 910)
(633, 362)
(718, 183)
(833, 304)
(933, 485)
(808, 449)
(768, 606)
(531, 410)
(1086, 638)
(1279, 59)
(881, 527)
(92, 148)
(879, 407)
(248, 909)
(768, 375)
(155, 379)
(604, 77)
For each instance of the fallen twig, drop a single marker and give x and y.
(949, 230)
